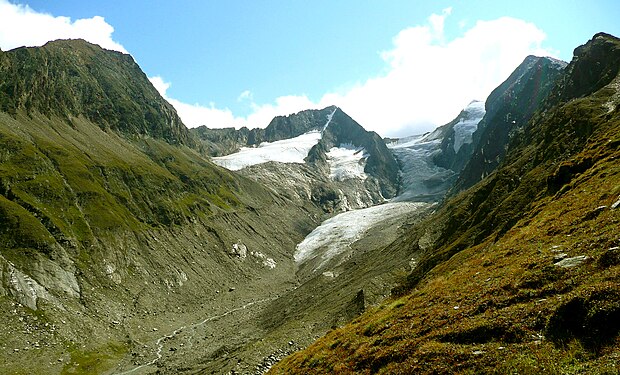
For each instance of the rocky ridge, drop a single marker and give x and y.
(508, 108)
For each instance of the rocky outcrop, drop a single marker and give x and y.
(343, 130)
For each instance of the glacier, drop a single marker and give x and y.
(334, 236)
(293, 150)
(346, 162)
(465, 128)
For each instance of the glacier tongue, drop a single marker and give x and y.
(421, 178)
(333, 237)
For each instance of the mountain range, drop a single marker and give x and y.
(131, 244)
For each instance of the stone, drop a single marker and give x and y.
(571, 262)
(559, 257)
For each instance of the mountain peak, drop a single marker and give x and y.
(71, 78)
(595, 64)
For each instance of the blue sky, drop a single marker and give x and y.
(233, 63)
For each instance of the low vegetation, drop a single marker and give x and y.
(520, 273)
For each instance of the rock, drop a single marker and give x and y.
(231, 289)
(594, 213)
(609, 258)
(239, 250)
(155, 329)
(571, 262)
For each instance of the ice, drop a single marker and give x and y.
(346, 162)
(421, 179)
(464, 129)
(334, 236)
(292, 150)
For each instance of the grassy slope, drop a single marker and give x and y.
(146, 228)
(101, 192)
(488, 297)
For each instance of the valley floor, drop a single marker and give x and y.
(253, 327)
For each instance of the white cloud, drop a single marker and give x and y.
(428, 79)
(160, 85)
(246, 95)
(21, 26)
(194, 115)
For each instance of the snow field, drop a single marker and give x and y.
(292, 150)
(346, 162)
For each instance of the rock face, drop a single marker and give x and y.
(508, 108)
(343, 130)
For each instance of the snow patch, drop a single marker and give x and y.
(293, 150)
(346, 162)
(329, 118)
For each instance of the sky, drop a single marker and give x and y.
(398, 67)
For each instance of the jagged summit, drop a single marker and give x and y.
(329, 141)
(220, 142)
(508, 108)
(70, 78)
(595, 64)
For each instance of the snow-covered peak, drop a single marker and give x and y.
(293, 150)
(467, 125)
(475, 107)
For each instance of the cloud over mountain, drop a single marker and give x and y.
(20, 26)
